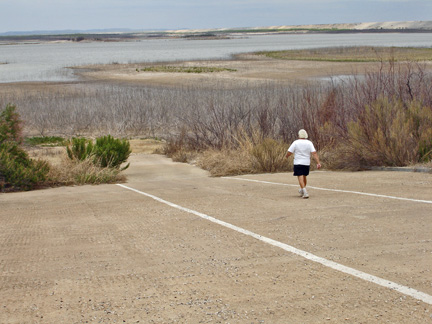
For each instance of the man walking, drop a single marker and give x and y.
(302, 149)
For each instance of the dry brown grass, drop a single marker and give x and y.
(71, 172)
(226, 162)
(53, 155)
(64, 171)
(147, 146)
(253, 154)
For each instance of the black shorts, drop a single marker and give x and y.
(301, 170)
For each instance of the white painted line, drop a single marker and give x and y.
(330, 264)
(334, 190)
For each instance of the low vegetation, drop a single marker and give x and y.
(20, 172)
(106, 152)
(72, 172)
(381, 118)
(183, 69)
(17, 169)
(45, 141)
(389, 133)
(354, 54)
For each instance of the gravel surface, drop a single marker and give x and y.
(104, 254)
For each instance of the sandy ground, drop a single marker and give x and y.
(105, 254)
(249, 69)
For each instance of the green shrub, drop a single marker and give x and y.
(107, 152)
(79, 149)
(10, 125)
(111, 152)
(18, 171)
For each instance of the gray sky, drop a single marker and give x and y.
(27, 15)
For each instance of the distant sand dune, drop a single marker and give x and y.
(397, 25)
(425, 25)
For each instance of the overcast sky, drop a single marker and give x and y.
(27, 15)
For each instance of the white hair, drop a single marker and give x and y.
(302, 133)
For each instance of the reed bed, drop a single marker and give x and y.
(355, 54)
(245, 124)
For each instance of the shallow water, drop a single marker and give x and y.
(49, 61)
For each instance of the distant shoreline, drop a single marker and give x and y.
(37, 39)
(11, 38)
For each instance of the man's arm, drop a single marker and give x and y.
(288, 154)
(315, 156)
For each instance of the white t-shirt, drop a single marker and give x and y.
(302, 149)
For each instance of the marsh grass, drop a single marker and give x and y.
(354, 54)
(184, 69)
(47, 141)
(383, 119)
(238, 129)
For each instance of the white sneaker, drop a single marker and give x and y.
(305, 195)
(300, 192)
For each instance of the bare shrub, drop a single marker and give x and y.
(389, 134)
(269, 156)
(226, 162)
(265, 154)
(401, 81)
(184, 156)
(252, 154)
(194, 118)
(94, 110)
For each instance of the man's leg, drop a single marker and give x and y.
(302, 181)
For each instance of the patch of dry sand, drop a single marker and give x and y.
(249, 69)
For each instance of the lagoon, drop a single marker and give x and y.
(49, 62)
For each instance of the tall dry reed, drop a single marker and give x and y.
(199, 119)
